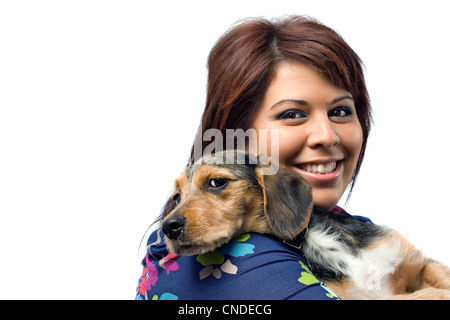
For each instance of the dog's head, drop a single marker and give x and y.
(216, 199)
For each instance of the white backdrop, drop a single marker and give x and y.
(100, 102)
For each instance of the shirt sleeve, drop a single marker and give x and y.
(250, 267)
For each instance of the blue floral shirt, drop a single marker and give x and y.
(250, 267)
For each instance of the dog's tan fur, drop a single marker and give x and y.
(212, 220)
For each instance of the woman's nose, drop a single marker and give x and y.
(322, 134)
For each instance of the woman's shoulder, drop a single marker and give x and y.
(251, 266)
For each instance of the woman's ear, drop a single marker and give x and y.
(287, 202)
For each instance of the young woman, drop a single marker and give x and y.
(299, 77)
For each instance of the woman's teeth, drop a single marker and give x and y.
(322, 168)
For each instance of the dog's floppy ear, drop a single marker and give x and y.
(287, 202)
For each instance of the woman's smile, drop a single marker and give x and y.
(320, 171)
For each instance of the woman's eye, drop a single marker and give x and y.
(292, 114)
(177, 198)
(340, 112)
(218, 183)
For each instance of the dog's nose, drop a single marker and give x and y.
(173, 226)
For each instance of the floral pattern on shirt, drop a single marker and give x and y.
(221, 263)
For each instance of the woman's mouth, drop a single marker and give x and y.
(321, 168)
(323, 172)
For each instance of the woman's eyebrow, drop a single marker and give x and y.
(343, 98)
(302, 102)
(305, 103)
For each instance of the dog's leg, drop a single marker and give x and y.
(418, 277)
(432, 283)
(436, 275)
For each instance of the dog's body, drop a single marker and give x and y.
(214, 201)
(361, 260)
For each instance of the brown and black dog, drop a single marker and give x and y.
(215, 201)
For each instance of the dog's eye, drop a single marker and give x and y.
(177, 198)
(218, 183)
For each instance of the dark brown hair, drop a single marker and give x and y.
(242, 63)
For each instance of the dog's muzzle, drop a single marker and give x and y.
(173, 226)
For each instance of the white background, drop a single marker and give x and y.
(100, 102)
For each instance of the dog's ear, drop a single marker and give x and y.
(287, 202)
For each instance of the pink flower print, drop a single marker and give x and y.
(152, 277)
(142, 281)
(169, 263)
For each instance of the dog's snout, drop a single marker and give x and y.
(173, 226)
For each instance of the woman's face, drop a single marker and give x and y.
(319, 132)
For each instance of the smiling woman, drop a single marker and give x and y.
(295, 77)
(281, 75)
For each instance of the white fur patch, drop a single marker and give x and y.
(369, 270)
(325, 250)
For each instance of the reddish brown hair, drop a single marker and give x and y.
(242, 63)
